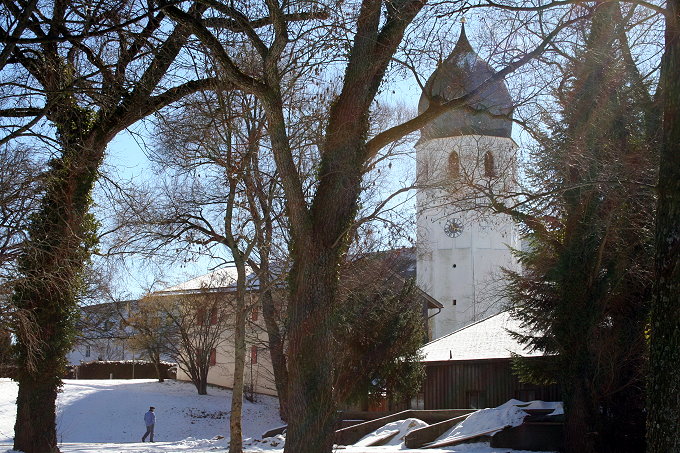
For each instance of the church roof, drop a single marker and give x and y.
(462, 72)
(486, 339)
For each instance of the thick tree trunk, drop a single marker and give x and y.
(311, 406)
(663, 423)
(60, 237)
(35, 428)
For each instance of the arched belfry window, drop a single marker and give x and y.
(489, 165)
(454, 165)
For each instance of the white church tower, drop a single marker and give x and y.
(461, 251)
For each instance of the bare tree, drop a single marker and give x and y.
(227, 212)
(151, 331)
(187, 327)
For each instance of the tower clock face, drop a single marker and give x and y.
(453, 228)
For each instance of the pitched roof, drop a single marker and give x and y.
(221, 279)
(485, 339)
(399, 263)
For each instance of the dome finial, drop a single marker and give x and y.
(463, 45)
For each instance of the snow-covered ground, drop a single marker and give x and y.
(105, 416)
(98, 412)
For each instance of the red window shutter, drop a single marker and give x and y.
(213, 316)
(253, 354)
(213, 357)
(254, 314)
(200, 316)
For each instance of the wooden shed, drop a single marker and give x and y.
(471, 367)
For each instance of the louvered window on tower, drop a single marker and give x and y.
(489, 165)
(454, 165)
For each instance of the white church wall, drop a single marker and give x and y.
(465, 268)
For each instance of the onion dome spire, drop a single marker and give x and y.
(462, 72)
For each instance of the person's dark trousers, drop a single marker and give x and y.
(149, 432)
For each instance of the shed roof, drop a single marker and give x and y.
(486, 339)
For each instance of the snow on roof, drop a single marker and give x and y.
(485, 339)
(219, 279)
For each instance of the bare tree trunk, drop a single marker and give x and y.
(276, 346)
(236, 432)
(663, 424)
(156, 358)
(202, 385)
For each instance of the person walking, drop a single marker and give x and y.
(150, 420)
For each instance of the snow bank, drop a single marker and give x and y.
(403, 427)
(485, 420)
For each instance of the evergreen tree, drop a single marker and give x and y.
(586, 284)
(663, 425)
(379, 330)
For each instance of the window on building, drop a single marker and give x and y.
(454, 165)
(213, 357)
(489, 165)
(253, 354)
(88, 351)
(475, 399)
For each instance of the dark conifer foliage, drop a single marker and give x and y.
(379, 331)
(586, 285)
(664, 385)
